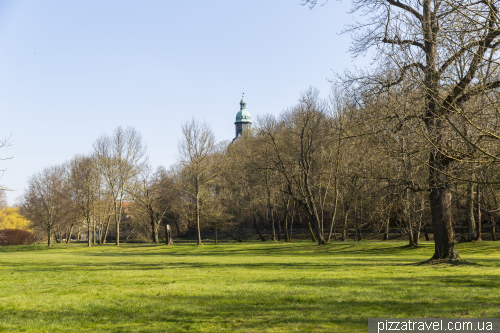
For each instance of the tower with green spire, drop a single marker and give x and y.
(243, 119)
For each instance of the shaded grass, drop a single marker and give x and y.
(239, 287)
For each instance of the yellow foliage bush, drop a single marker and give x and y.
(11, 219)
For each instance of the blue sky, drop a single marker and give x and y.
(72, 70)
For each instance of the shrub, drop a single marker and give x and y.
(16, 237)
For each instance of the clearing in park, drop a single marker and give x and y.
(248, 287)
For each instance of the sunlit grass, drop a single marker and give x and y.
(246, 287)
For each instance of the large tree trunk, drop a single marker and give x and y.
(440, 199)
(440, 195)
(49, 236)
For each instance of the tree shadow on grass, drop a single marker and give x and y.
(316, 265)
(250, 310)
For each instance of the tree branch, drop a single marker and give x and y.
(402, 75)
(407, 8)
(402, 42)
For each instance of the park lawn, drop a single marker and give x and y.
(239, 287)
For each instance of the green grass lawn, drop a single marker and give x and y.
(245, 287)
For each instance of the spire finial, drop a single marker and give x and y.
(243, 104)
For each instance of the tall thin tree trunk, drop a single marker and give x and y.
(313, 237)
(94, 234)
(286, 226)
(157, 232)
(411, 240)
(356, 221)
(493, 228)
(117, 230)
(89, 232)
(345, 236)
(69, 236)
(459, 215)
(271, 222)
(478, 200)
(107, 230)
(100, 220)
(421, 217)
(332, 225)
(470, 213)
(118, 217)
(386, 233)
(313, 211)
(360, 220)
(198, 218)
(279, 230)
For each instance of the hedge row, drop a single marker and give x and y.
(16, 237)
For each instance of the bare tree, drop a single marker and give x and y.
(153, 192)
(200, 161)
(297, 141)
(43, 203)
(448, 50)
(82, 190)
(119, 158)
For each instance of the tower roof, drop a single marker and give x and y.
(243, 116)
